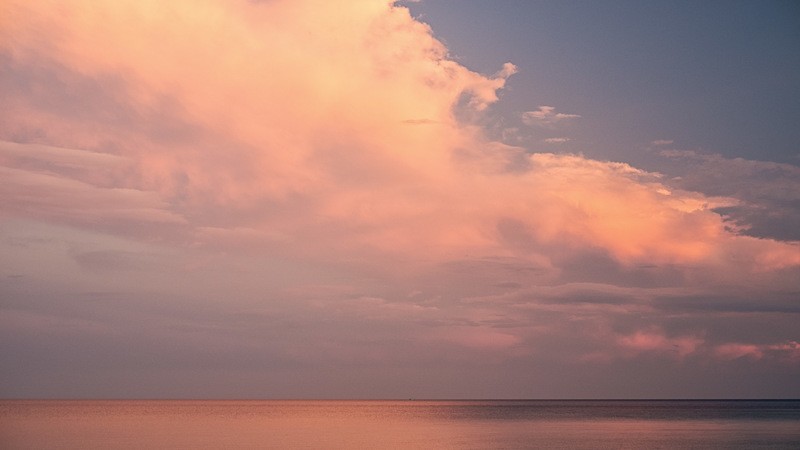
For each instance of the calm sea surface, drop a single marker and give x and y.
(218, 424)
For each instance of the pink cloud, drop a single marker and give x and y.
(786, 351)
(734, 351)
(478, 338)
(316, 130)
(302, 151)
(655, 341)
(50, 196)
(322, 187)
(789, 350)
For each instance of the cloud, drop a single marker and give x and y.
(479, 338)
(785, 351)
(332, 161)
(734, 351)
(310, 165)
(661, 142)
(546, 116)
(308, 156)
(78, 187)
(656, 341)
(111, 260)
(768, 193)
(304, 155)
(420, 122)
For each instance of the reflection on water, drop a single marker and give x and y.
(399, 424)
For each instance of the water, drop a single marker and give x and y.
(124, 424)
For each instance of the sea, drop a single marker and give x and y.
(393, 424)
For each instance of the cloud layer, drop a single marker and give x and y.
(338, 146)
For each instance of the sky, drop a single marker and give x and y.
(375, 199)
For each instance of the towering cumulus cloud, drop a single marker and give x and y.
(340, 137)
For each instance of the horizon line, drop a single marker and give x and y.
(406, 399)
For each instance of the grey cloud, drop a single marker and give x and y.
(587, 296)
(594, 265)
(734, 302)
(112, 260)
(769, 192)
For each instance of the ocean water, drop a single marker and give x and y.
(284, 424)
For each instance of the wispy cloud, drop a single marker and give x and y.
(785, 351)
(559, 140)
(77, 187)
(662, 142)
(546, 116)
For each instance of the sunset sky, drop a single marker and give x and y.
(367, 199)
